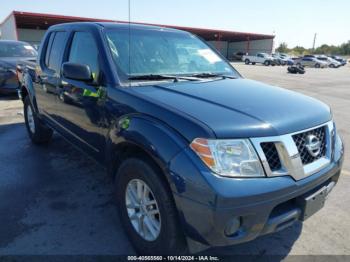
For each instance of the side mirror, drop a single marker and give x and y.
(76, 71)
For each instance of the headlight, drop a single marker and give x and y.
(231, 158)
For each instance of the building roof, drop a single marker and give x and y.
(44, 21)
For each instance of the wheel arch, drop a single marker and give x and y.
(145, 138)
(27, 89)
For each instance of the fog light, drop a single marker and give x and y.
(232, 226)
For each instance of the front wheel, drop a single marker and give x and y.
(147, 209)
(267, 63)
(38, 133)
(317, 65)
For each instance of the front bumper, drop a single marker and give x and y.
(208, 203)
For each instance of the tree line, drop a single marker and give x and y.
(343, 49)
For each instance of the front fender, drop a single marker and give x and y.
(155, 138)
(28, 88)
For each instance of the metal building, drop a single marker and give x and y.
(31, 27)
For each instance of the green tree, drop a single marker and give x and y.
(282, 48)
(344, 49)
(299, 50)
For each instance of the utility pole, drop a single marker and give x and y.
(313, 46)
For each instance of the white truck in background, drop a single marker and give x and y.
(260, 58)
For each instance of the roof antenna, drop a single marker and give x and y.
(129, 10)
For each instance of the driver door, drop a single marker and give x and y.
(82, 114)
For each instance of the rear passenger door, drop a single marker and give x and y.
(49, 75)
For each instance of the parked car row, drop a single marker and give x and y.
(266, 59)
(321, 61)
(317, 61)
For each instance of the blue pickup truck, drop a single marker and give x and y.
(200, 156)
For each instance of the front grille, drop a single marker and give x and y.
(300, 141)
(271, 155)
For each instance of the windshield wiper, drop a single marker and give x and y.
(209, 75)
(155, 77)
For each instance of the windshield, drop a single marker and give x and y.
(13, 49)
(162, 52)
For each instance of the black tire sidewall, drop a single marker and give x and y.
(42, 133)
(27, 103)
(169, 235)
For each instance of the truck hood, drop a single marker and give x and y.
(235, 108)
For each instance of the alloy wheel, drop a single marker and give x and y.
(142, 209)
(30, 119)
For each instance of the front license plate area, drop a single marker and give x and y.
(312, 203)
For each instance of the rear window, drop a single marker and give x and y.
(48, 49)
(54, 51)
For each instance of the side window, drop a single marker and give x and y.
(48, 49)
(260, 55)
(84, 51)
(56, 52)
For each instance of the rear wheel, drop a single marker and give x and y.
(317, 65)
(38, 133)
(247, 61)
(253, 63)
(147, 209)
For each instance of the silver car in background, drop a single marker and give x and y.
(332, 63)
(311, 62)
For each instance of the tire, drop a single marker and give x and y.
(267, 63)
(253, 63)
(317, 65)
(38, 133)
(247, 61)
(332, 66)
(170, 238)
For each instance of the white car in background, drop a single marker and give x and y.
(259, 58)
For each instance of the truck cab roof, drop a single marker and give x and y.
(113, 25)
